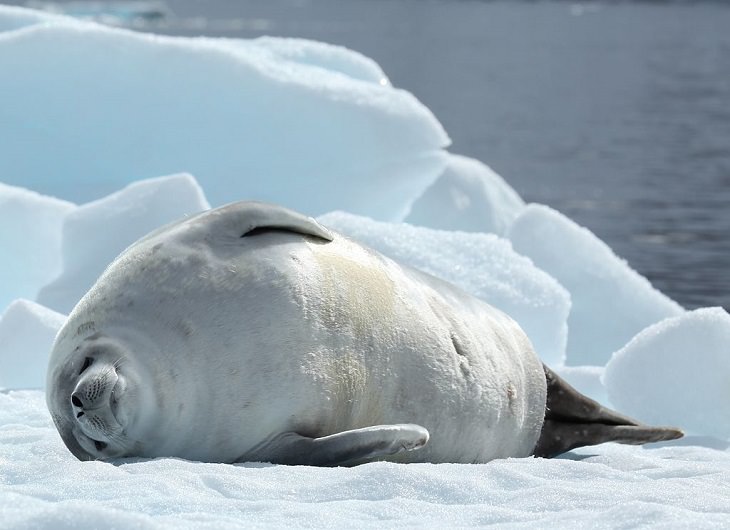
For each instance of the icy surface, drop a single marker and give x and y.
(677, 372)
(467, 196)
(44, 486)
(481, 264)
(27, 331)
(30, 240)
(304, 124)
(95, 233)
(611, 301)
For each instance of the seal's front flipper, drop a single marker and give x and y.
(349, 447)
(574, 420)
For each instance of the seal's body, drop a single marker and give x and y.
(250, 332)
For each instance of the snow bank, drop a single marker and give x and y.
(468, 196)
(30, 239)
(27, 331)
(307, 125)
(44, 486)
(481, 264)
(677, 372)
(611, 301)
(96, 233)
(331, 59)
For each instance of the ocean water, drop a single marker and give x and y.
(616, 114)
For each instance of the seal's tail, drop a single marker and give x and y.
(574, 420)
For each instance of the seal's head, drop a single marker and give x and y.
(98, 398)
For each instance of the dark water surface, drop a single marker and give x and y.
(617, 115)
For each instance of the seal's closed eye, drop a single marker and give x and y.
(253, 218)
(259, 230)
(87, 363)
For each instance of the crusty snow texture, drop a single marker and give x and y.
(44, 486)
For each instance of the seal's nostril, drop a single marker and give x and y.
(100, 446)
(76, 401)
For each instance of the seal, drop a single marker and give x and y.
(252, 333)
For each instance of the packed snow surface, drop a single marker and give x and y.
(319, 128)
(44, 486)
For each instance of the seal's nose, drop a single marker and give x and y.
(87, 396)
(76, 400)
(78, 404)
(93, 391)
(81, 403)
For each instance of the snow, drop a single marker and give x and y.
(607, 486)
(677, 372)
(611, 301)
(468, 196)
(96, 232)
(30, 238)
(309, 125)
(320, 128)
(27, 331)
(481, 264)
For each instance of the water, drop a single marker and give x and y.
(617, 115)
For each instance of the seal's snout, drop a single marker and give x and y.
(94, 391)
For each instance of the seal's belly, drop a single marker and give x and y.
(388, 345)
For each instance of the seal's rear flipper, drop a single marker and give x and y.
(574, 420)
(348, 447)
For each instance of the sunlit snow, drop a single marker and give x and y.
(96, 232)
(611, 301)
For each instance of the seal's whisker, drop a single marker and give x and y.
(122, 440)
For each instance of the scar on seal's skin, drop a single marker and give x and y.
(86, 327)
